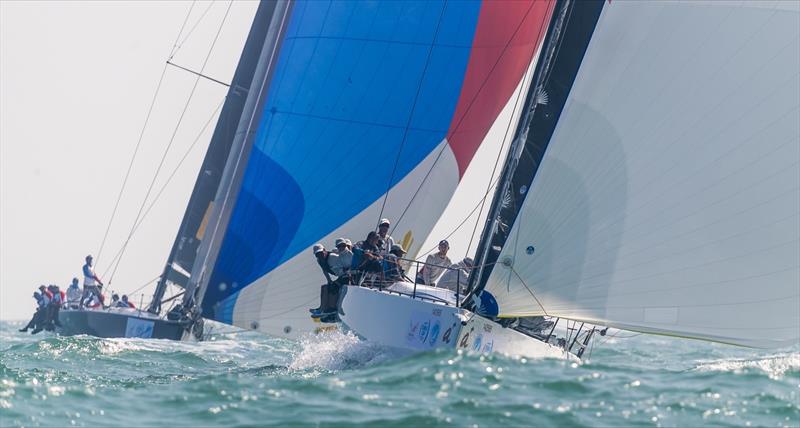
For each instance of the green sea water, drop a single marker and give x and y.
(247, 379)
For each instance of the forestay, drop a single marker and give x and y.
(371, 109)
(667, 199)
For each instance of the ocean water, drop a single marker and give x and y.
(246, 379)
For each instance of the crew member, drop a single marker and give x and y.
(125, 303)
(383, 233)
(435, 265)
(74, 293)
(394, 271)
(91, 282)
(37, 321)
(328, 297)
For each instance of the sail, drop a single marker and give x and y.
(371, 110)
(666, 197)
(193, 226)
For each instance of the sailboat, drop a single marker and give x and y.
(654, 187)
(180, 321)
(650, 183)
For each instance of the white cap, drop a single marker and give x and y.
(317, 248)
(384, 221)
(340, 241)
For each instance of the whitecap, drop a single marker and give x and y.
(335, 350)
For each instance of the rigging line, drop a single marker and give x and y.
(529, 290)
(144, 285)
(497, 161)
(139, 143)
(185, 21)
(615, 336)
(227, 85)
(171, 140)
(413, 109)
(171, 176)
(469, 107)
(177, 45)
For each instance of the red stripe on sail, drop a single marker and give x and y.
(507, 34)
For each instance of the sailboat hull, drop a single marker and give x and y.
(117, 323)
(415, 325)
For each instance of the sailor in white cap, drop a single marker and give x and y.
(332, 263)
(323, 259)
(383, 233)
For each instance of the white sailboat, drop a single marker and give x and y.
(657, 190)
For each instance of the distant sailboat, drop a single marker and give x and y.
(152, 322)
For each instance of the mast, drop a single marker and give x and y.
(228, 190)
(490, 243)
(193, 226)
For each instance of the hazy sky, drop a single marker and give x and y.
(76, 80)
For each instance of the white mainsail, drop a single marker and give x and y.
(668, 200)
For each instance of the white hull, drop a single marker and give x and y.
(413, 325)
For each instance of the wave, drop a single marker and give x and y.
(335, 350)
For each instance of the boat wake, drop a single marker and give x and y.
(335, 350)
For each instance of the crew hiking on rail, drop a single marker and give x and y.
(51, 299)
(377, 261)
